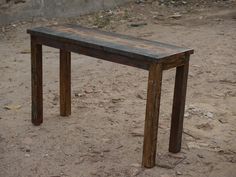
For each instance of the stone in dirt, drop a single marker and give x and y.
(200, 145)
(205, 126)
(178, 173)
(139, 1)
(117, 100)
(168, 161)
(138, 24)
(135, 172)
(12, 107)
(209, 115)
(176, 16)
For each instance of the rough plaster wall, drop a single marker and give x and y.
(28, 9)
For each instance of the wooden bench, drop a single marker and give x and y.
(149, 55)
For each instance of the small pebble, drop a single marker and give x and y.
(178, 173)
(27, 155)
(186, 115)
(209, 115)
(200, 156)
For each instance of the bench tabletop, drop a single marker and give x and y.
(109, 42)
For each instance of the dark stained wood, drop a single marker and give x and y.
(173, 62)
(152, 115)
(36, 82)
(65, 83)
(178, 107)
(123, 45)
(105, 55)
(149, 55)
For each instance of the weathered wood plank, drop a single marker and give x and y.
(36, 82)
(122, 36)
(65, 83)
(178, 107)
(114, 43)
(105, 55)
(152, 115)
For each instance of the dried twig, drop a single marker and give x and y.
(189, 134)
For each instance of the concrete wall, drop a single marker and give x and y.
(15, 10)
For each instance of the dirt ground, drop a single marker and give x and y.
(103, 137)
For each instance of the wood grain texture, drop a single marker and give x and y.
(152, 115)
(36, 82)
(124, 45)
(101, 54)
(178, 107)
(173, 62)
(65, 83)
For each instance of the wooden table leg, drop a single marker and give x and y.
(178, 107)
(152, 115)
(65, 83)
(36, 81)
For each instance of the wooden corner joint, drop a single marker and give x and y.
(175, 61)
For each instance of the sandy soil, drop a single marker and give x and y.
(103, 137)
